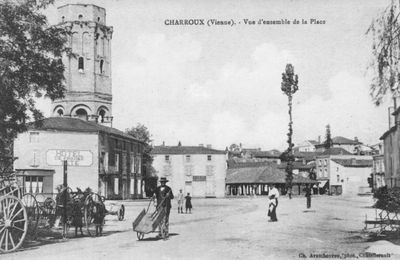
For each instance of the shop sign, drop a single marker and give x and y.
(73, 157)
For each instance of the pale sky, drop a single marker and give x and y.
(221, 85)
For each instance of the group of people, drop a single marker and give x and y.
(188, 202)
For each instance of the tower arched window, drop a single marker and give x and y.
(102, 114)
(81, 113)
(80, 64)
(101, 66)
(60, 112)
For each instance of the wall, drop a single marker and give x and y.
(199, 183)
(39, 155)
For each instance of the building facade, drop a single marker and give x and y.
(198, 170)
(101, 158)
(343, 174)
(88, 71)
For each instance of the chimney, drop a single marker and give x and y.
(179, 144)
(209, 146)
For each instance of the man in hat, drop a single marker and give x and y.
(164, 195)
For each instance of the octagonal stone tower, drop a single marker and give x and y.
(88, 72)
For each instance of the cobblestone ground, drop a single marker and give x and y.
(225, 229)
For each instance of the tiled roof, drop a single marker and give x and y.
(392, 129)
(340, 140)
(313, 142)
(76, 125)
(336, 151)
(298, 165)
(265, 154)
(184, 150)
(353, 162)
(264, 174)
(306, 155)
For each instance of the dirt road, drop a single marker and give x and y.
(225, 229)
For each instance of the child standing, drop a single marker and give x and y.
(188, 203)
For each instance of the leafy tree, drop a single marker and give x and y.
(142, 133)
(385, 30)
(328, 139)
(30, 65)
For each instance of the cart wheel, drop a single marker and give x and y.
(13, 223)
(140, 235)
(121, 213)
(32, 210)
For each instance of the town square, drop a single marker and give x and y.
(199, 130)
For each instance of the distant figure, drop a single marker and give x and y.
(308, 196)
(188, 204)
(180, 201)
(98, 217)
(273, 202)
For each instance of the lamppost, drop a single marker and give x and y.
(289, 87)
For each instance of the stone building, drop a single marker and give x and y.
(98, 156)
(195, 169)
(88, 70)
(344, 174)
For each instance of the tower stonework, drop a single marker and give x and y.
(88, 70)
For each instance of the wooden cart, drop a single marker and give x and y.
(148, 221)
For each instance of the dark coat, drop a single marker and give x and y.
(165, 193)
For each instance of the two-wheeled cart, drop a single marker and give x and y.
(149, 220)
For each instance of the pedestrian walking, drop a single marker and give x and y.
(164, 195)
(180, 201)
(273, 195)
(188, 204)
(308, 196)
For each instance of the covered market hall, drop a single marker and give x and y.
(247, 181)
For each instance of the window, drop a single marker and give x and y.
(167, 170)
(320, 173)
(102, 114)
(33, 184)
(63, 19)
(325, 172)
(102, 67)
(34, 137)
(167, 158)
(117, 162)
(319, 162)
(187, 158)
(35, 158)
(80, 17)
(98, 19)
(199, 178)
(188, 170)
(210, 170)
(80, 64)
(325, 162)
(209, 157)
(60, 112)
(338, 178)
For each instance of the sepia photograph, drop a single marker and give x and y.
(184, 129)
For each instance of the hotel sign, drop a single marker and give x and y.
(73, 157)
